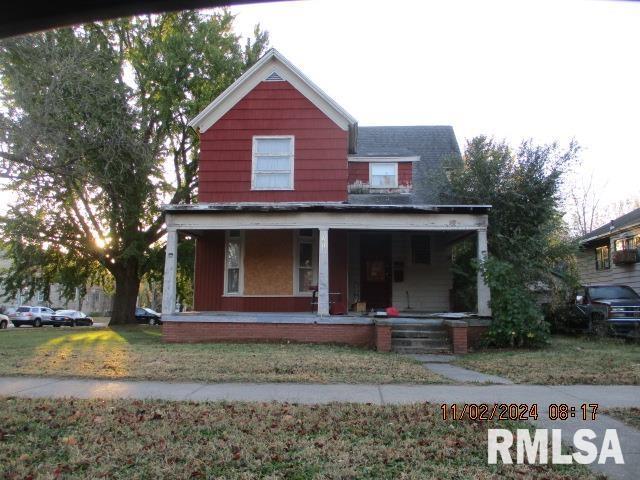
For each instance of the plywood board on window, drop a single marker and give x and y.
(268, 262)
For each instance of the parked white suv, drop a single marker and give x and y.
(26, 315)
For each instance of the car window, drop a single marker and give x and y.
(65, 312)
(22, 309)
(80, 315)
(612, 292)
(140, 311)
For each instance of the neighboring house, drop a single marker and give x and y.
(610, 254)
(95, 300)
(296, 202)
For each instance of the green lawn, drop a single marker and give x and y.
(137, 352)
(567, 360)
(630, 416)
(153, 439)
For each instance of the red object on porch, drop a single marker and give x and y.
(393, 312)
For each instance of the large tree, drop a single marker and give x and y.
(95, 139)
(527, 238)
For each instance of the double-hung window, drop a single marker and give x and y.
(305, 261)
(383, 175)
(233, 263)
(272, 163)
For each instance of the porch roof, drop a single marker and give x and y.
(252, 207)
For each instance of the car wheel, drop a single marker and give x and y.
(37, 322)
(3, 324)
(152, 321)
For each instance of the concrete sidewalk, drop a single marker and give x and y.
(543, 396)
(606, 396)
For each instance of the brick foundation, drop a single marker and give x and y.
(465, 335)
(383, 338)
(458, 335)
(360, 335)
(474, 335)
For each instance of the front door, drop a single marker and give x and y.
(375, 270)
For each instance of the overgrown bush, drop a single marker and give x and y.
(564, 318)
(517, 320)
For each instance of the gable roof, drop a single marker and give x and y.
(627, 220)
(433, 144)
(271, 62)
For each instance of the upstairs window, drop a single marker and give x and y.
(272, 163)
(383, 175)
(603, 259)
(629, 243)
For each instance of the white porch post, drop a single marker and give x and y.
(323, 273)
(484, 294)
(170, 267)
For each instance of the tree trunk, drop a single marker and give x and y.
(126, 295)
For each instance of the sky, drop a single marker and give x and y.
(546, 70)
(517, 69)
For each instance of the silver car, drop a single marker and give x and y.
(34, 316)
(4, 321)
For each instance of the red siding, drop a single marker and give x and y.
(405, 170)
(273, 108)
(359, 171)
(209, 279)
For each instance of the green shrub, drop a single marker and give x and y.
(517, 319)
(565, 319)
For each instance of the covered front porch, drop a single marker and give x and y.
(331, 264)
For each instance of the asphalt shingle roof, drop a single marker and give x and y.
(626, 220)
(433, 144)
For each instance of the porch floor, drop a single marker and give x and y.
(423, 318)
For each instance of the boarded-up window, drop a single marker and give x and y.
(421, 249)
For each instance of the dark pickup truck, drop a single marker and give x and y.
(614, 306)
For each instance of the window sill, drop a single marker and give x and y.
(272, 189)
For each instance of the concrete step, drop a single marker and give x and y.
(419, 342)
(419, 334)
(421, 350)
(418, 327)
(420, 339)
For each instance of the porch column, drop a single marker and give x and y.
(323, 273)
(484, 294)
(170, 267)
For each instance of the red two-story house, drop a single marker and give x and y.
(304, 219)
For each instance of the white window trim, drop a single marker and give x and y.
(296, 261)
(253, 162)
(240, 268)
(357, 159)
(395, 167)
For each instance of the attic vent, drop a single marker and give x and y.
(274, 77)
